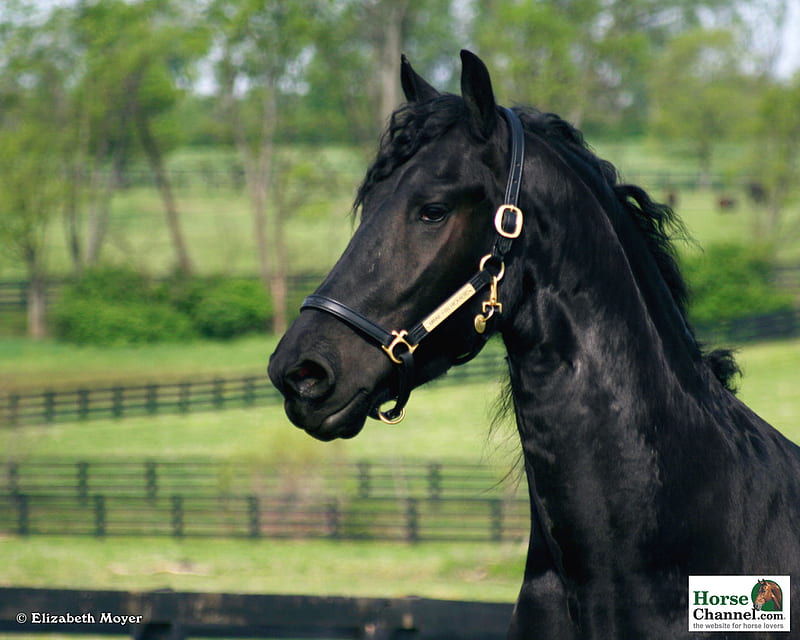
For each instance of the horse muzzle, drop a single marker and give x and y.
(327, 392)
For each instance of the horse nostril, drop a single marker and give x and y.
(310, 380)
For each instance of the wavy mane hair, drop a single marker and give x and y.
(415, 125)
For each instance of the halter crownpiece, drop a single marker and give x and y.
(400, 345)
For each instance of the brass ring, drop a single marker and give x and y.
(486, 258)
(386, 420)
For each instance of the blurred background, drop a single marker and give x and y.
(176, 175)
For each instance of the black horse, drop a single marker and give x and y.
(643, 467)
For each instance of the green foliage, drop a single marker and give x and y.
(732, 281)
(696, 91)
(231, 308)
(96, 322)
(118, 306)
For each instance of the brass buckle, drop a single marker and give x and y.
(498, 221)
(399, 338)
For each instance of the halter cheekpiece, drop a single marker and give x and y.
(399, 345)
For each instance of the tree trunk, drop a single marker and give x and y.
(37, 297)
(391, 48)
(258, 165)
(153, 153)
(72, 223)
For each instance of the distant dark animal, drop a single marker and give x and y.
(643, 467)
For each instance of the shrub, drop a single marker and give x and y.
(97, 322)
(112, 284)
(230, 308)
(732, 281)
(113, 306)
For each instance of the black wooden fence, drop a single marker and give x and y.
(119, 401)
(180, 616)
(410, 502)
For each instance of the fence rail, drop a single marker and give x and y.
(179, 616)
(381, 500)
(120, 401)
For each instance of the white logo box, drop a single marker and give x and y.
(727, 603)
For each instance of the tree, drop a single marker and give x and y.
(264, 48)
(776, 167)
(354, 76)
(699, 92)
(32, 143)
(132, 57)
(586, 59)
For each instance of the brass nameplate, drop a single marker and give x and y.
(448, 307)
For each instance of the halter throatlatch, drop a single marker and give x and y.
(400, 345)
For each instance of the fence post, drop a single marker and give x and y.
(152, 399)
(13, 478)
(23, 514)
(99, 516)
(184, 396)
(83, 482)
(158, 631)
(177, 516)
(363, 479)
(496, 529)
(83, 404)
(334, 520)
(116, 401)
(218, 393)
(249, 391)
(151, 479)
(49, 406)
(435, 481)
(253, 516)
(412, 520)
(13, 408)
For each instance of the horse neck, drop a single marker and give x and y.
(600, 369)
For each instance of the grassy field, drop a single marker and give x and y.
(771, 378)
(218, 227)
(444, 422)
(451, 571)
(51, 364)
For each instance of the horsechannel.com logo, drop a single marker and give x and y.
(739, 603)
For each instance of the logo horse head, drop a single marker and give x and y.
(768, 591)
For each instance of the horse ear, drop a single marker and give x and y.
(415, 88)
(476, 89)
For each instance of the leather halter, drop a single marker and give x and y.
(400, 345)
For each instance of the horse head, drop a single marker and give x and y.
(426, 231)
(768, 591)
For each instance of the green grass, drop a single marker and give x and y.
(489, 572)
(449, 422)
(436, 412)
(218, 225)
(50, 364)
(770, 383)
(444, 422)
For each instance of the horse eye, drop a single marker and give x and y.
(435, 212)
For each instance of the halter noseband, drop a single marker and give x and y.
(400, 345)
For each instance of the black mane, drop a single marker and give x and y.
(414, 125)
(411, 127)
